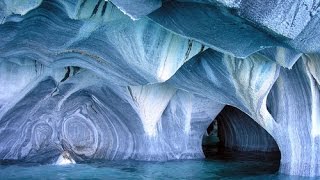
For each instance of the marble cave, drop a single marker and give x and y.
(143, 79)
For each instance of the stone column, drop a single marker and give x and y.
(294, 104)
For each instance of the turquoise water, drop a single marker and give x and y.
(188, 169)
(221, 166)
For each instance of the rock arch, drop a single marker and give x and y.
(237, 131)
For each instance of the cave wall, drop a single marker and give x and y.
(72, 109)
(237, 131)
(143, 80)
(296, 130)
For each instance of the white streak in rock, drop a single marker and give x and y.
(151, 101)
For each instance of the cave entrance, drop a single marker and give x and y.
(235, 136)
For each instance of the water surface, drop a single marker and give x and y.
(223, 165)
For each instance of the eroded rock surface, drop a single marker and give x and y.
(144, 79)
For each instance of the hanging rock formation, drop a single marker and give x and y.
(143, 79)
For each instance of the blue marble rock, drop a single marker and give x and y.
(227, 3)
(137, 62)
(308, 39)
(213, 26)
(137, 8)
(112, 80)
(287, 18)
(92, 119)
(283, 56)
(297, 124)
(284, 18)
(9, 8)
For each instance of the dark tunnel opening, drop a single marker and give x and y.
(233, 136)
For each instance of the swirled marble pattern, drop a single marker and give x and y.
(138, 8)
(108, 29)
(92, 120)
(107, 80)
(297, 130)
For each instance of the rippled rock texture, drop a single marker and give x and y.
(144, 79)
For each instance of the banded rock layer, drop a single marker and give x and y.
(143, 80)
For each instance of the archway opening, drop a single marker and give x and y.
(235, 137)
